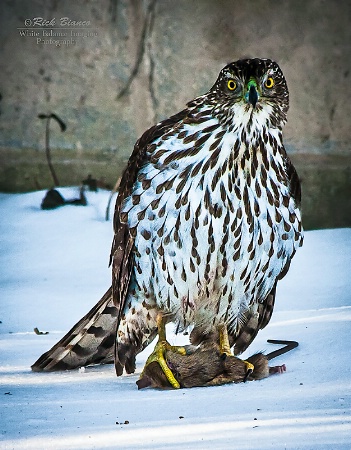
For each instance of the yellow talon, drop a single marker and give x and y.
(175, 349)
(224, 347)
(249, 366)
(249, 369)
(158, 355)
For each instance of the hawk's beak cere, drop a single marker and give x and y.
(251, 95)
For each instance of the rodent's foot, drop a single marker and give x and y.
(277, 369)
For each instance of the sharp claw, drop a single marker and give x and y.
(248, 373)
(249, 369)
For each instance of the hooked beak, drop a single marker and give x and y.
(253, 96)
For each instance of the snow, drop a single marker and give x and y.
(54, 268)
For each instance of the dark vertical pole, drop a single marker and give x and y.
(48, 155)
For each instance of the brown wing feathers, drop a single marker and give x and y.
(122, 247)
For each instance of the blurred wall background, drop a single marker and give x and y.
(130, 63)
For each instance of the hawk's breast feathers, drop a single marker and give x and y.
(207, 218)
(206, 222)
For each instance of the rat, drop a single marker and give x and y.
(205, 365)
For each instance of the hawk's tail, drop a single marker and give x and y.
(90, 341)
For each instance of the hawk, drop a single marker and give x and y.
(206, 222)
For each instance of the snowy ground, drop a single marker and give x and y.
(54, 268)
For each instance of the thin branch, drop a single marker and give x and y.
(48, 117)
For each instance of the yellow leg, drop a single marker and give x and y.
(158, 355)
(224, 346)
(161, 328)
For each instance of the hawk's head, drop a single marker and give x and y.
(252, 89)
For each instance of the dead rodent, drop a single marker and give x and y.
(206, 366)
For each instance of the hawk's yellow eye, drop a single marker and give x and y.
(231, 85)
(269, 83)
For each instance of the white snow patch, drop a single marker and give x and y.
(54, 268)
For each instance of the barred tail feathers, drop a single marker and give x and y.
(90, 341)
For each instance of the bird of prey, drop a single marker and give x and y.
(206, 222)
